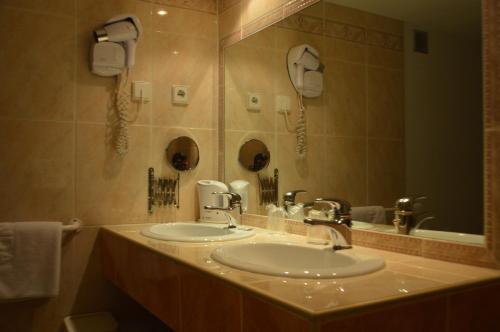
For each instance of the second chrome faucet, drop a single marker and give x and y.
(337, 219)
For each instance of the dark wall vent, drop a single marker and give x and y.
(420, 41)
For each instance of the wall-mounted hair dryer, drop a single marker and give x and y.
(305, 70)
(115, 42)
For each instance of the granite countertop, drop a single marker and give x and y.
(403, 276)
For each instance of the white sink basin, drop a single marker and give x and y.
(195, 232)
(296, 261)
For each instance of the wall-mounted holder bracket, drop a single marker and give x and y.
(268, 188)
(162, 191)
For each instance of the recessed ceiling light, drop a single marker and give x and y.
(162, 12)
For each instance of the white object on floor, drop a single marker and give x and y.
(372, 214)
(30, 260)
(95, 322)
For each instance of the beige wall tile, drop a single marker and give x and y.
(345, 169)
(225, 4)
(378, 56)
(36, 170)
(344, 14)
(384, 24)
(209, 6)
(298, 173)
(37, 65)
(102, 11)
(110, 188)
(185, 22)
(345, 99)
(289, 38)
(263, 39)
(493, 186)
(230, 21)
(385, 171)
(253, 9)
(339, 49)
(385, 103)
(64, 7)
(187, 61)
(248, 70)
(316, 10)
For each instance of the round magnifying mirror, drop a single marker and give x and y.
(254, 155)
(183, 154)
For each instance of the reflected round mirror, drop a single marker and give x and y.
(183, 154)
(254, 155)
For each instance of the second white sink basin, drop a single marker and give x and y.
(297, 261)
(195, 232)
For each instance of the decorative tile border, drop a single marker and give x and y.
(208, 6)
(349, 32)
(226, 4)
(491, 97)
(491, 62)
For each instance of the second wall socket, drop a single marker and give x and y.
(283, 104)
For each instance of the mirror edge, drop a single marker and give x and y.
(491, 127)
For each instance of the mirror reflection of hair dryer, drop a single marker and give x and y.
(305, 71)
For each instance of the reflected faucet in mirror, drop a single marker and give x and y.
(406, 214)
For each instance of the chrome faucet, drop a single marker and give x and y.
(338, 221)
(404, 214)
(234, 203)
(289, 198)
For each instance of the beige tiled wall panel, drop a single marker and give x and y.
(56, 126)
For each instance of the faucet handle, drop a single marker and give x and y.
(234, 198)
(343, 206)
(289, 196)
(407, 203)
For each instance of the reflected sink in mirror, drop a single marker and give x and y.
(427, 233)
(195, 232)
(297, 261)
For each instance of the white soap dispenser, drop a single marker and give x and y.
(240, 187)
(205, 197)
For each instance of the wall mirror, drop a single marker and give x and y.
(254, 155)
(182, 154)
(391, 100)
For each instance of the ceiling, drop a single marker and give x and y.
(452, 16)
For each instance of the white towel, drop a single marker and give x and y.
(372, 214)
(30, 260)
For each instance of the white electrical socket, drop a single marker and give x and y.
(283, 104)
(141, 91)
(254, 101)
(180, 94)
